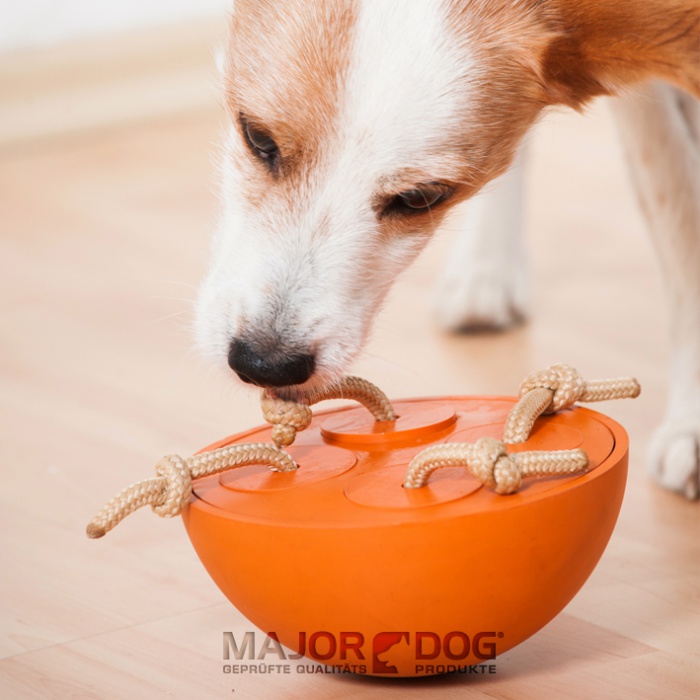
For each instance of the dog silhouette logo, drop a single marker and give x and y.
(382, 642)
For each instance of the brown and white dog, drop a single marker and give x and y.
(355, 125)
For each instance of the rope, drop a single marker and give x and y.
(169, 492)
(488, 461)
(287, 417)
(548, 391)
(556, 388)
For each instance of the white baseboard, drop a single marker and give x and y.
(106, 82)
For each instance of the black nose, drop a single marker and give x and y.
(256, 368)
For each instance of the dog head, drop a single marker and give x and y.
(354, 126)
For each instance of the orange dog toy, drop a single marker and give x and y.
(372, 556)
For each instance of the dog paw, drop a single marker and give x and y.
(481, 299)
(674, 456)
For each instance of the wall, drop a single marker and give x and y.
(26, 24)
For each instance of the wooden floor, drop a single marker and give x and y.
(103, 239)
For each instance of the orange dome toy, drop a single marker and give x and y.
(358, 560)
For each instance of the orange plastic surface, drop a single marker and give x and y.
(341, 562)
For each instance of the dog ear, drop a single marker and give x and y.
(568, 75)
(601, 46)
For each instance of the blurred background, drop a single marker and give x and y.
(38, 23)
(76, 65)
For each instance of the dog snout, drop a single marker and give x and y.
(269, 369)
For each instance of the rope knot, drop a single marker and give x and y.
(565, 383)
(491, 464)
(177, 489)
(286, 418)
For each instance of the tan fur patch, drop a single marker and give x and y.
(287, 62)
(507, 41)
(603, 46)
(537, 53)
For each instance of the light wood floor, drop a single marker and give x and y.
(104, 238)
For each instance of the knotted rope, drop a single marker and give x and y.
(169, 492)
(488, 461)
(287, 417)
(556, 388)
(548, 391)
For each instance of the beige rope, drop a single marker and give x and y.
(554, 389)
(169, 492)
(488, 461)
(550, 390)
(287, 417)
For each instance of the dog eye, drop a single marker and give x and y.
(260, 143)
(418, 199)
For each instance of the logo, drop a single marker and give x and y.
(382, 642)
(386, 653)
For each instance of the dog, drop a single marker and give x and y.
(356, 125)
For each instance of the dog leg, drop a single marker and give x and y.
(484, 285)
(660, 136)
